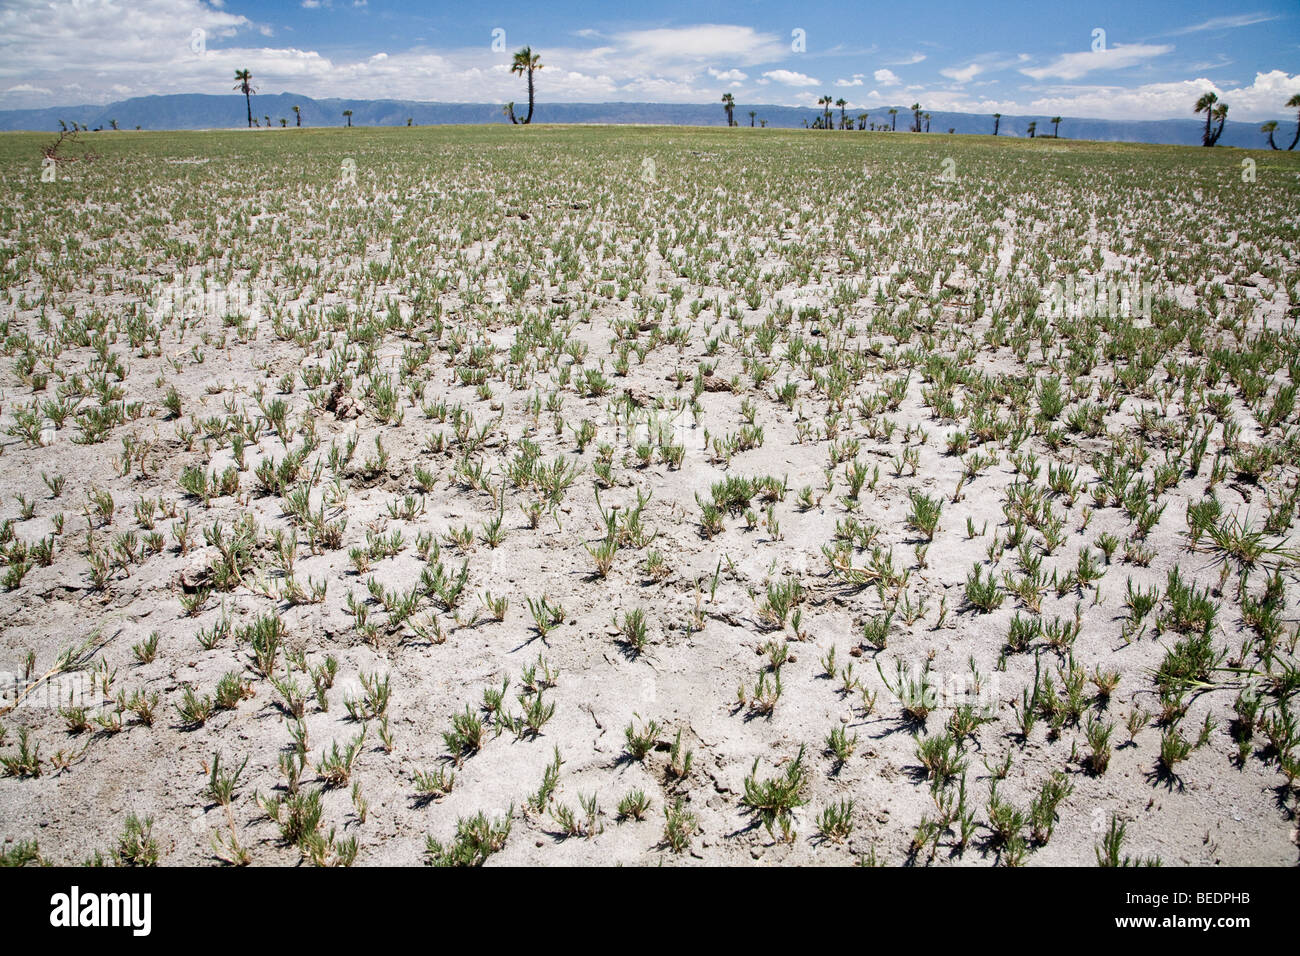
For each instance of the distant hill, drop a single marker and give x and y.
(204, 111)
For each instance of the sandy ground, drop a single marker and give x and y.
(708, 638)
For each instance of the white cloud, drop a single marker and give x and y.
(963, 74)
(806, 99)
(1218, 63)
(791, 78)
(728, 76)
(986, 63)
(91, 51)
(886, 78)
(855, 81)
(1226, 23)
(707, 41)
(1071, 66)
(1262, 99)
(909, 60)
(83, 49)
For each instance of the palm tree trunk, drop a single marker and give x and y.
(248, 101)
(529, 118)
(1297, 135)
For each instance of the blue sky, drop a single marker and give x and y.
(1104, 59)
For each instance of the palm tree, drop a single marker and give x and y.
(916, 112)
(1056, 127)
(526, 61)
(893, 121)
(112, 124)
(729, 104)
(1206, 105)
(825, 103)
(283, 122)
(267, 118)
(348, 114)
(752, 114)
(1220, 114)
(1033, 127)
(1294, 103)
(842, 103)
(297, 115)
(927, 122)
(1270, 128)
(997, 121)
(862, 120)
(244, 83)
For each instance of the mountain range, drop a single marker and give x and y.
(188, 111)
